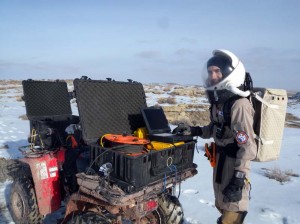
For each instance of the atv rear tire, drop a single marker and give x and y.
(88, 217)
(23, 203)
(170, 210)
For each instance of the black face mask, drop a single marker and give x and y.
(219, 97)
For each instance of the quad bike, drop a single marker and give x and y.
(71, 160)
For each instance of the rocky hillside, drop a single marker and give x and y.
(188, 104)
(182, 104)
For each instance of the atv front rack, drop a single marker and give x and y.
(101, 189)
(102, 197)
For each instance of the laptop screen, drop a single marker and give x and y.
(155, 120)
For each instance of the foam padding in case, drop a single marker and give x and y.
(46, 99)
(109, 107)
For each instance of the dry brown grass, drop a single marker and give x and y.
(4, 146)
(182, 121)
(188, 91)
(292, 121)
(179, 87)
(167, 89)
(169, 100)
(19, 98)
(279, 175)
(10, 82)
(3, 207)
(23, 117)
(69, 81)
(291, 173)
(157, 92)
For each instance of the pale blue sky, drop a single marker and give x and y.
(149, 41)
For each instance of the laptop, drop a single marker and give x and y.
(158, 126)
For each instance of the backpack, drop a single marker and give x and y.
(269, 118)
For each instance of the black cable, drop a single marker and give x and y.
(87, 171)
(248, 83)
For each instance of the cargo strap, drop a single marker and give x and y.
(171, 168)
(263, 141)
(248, 182)
(72, 142)
(220, 167)
(273, 106)
(228, 150)
(33, 136)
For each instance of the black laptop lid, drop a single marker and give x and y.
(155, 120)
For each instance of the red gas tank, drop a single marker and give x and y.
(45, 174)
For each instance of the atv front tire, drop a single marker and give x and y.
(88, 217)
(23, 203)
(170, 210)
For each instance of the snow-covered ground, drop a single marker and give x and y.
(271, 201)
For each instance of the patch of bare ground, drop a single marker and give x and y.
(8, 169)
(187, 113)
(188, 91)
(200, 116)
(169, 100)
(23, 117)
(11, 82)
(292, 121)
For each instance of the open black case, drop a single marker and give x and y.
(49, 112)
(114, 107)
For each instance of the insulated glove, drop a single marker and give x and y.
(233, 191)
(182, 129)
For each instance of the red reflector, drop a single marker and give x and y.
(150, 205)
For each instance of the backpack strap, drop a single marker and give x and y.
(227, 109)
(257, 97)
